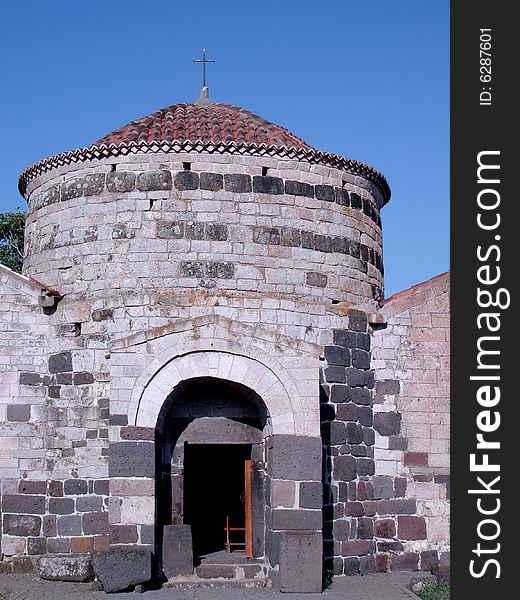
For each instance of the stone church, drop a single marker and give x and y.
(200, 378)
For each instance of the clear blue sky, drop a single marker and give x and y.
(368, 80)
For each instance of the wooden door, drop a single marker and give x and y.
(248, 509)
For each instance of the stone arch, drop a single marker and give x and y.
(261, 374)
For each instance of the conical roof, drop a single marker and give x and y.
(205, 122)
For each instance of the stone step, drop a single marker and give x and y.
(188, 583)
(230, 571)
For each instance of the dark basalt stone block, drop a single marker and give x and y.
(61, 362)
(367, 564)
(266, 235)
(220, 270)
(355, 200)
(120, 181)
(311, 494)
(300, 562)
(186, 180)
(360, 359)
(30, 378)
(354, 249)
(324, 192)
(354, 433)
(290, 237)
(170, 230)
(335, 375)
(267, 185)
(366, 416)
(27, 504)
(83, 378)
(72, 189)
(211, 181)
(131, 459)
(18, 412)
(192, 269)
(342, 197)
(337, 433)
(345, 468)
(347, 412)
(361, 395)
(69, 525)
(388, 387)
(388, 423)
(120, 568)
(341, 245)
(121, 231)
(95, 523)
(351, 565)
(61, 506)
(177, 555)
(292, 519)
(22, 525)
(323, 243)
(216, 232)
(366, 466)
(337, 355)
(340, 393)
(315, 279)
(298, 188)
(151, 181)
(36, 545)
(94, 184)
(294, 457)
(369, 437)
(237, 183)
(195, 231)
(73, 487)
(355, 377)
(308, 240)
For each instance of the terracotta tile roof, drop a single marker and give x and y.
(205, 122)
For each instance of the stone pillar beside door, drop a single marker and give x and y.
(294, 515)
(131, 468)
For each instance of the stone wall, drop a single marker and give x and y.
(23, 346)
(53, 429)
(145, 222)
(254, 270)
(348, 447)
(411, 358)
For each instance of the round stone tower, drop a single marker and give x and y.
(206, 197)
(214, 278)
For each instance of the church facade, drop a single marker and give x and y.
(199, 354)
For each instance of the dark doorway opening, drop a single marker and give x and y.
(214, 494)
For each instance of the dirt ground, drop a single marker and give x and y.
(370, 587)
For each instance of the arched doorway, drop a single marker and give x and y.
(211, 466)
(275, 385)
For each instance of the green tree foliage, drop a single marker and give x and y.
(11, 239)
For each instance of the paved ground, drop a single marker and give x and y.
(369, 587)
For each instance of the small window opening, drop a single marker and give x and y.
(186, 166)
(113, 168)
(264, 171)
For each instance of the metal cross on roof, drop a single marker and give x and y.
(203, 60)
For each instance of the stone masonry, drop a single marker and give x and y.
(167, 264)
(412, 422)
